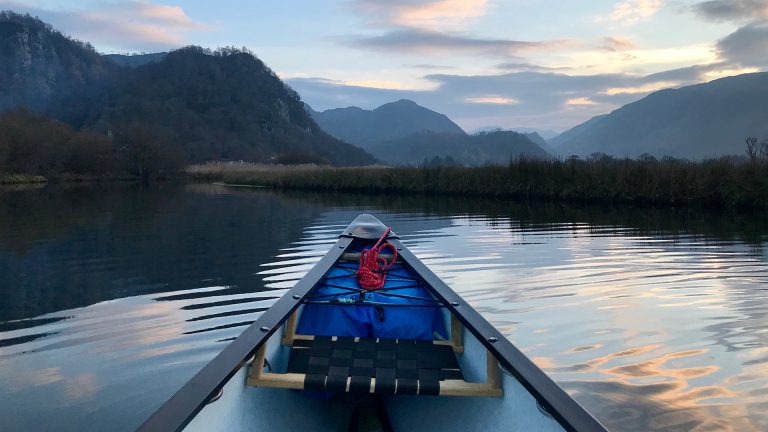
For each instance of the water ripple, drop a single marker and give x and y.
(648, 329)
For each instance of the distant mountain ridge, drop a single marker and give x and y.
(391, 121)
(471, 150)
(695, 122)
(528, 132)
(543, 133)
(222, 104)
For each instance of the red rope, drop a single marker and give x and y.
(372, 273)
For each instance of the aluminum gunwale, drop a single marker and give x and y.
(182, 407)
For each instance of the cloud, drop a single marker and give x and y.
(323, 93)
(132, 25)
(380, 84)
(417, 41)
(747, 46)
(732, 10)
(494, 100)
(684, 74)
(615, 44)
(641, 89)
(716, 73)
(428, 27)
(428, 66)
(431, 14)
(580, 101)
(521, 67)
(641, 59)
(632, 11)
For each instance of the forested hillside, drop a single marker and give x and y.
(221, 104)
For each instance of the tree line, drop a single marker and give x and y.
(35, 145)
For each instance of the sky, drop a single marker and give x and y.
(514, 63)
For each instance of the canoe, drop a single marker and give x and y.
(410, 354)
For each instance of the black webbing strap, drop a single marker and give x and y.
(400, 366)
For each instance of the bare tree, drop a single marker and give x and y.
(752, 150)
(763, 150)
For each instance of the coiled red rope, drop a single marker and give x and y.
(372, 273)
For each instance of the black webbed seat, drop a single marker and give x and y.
(382, 366)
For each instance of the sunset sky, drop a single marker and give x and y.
(521, 63)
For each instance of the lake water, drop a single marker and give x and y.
(113, 296)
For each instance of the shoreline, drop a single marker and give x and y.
(28, 179)
(720, 183)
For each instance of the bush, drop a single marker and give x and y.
(145, 154)
(37, 146)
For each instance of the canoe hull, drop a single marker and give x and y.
(531, 400)
(245, 408)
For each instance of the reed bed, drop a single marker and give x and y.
(721, 182)
(14, 179)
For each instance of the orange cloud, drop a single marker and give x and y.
(131, 25)
(580, 101)
(440, 13)
(632, 11)
(169, 15)
(614, 44)
(432, 14)
(494, 100)
(647, 88)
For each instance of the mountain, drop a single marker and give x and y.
(533, 136)
(404, 133)
(695, 122)
(483, 148)
(544, 133)
(222, 104)
(391, 121)
(558, 141)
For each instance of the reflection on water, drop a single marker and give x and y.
(112, 297)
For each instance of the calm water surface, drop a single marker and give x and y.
(112, 297)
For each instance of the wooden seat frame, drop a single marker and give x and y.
(257, 377)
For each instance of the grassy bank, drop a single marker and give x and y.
(15, 179)
(721, 182)
(20, 179)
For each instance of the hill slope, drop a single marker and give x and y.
(223, 104)
(699, 121)
(391, 121)
(491, 147)
(45, 71)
